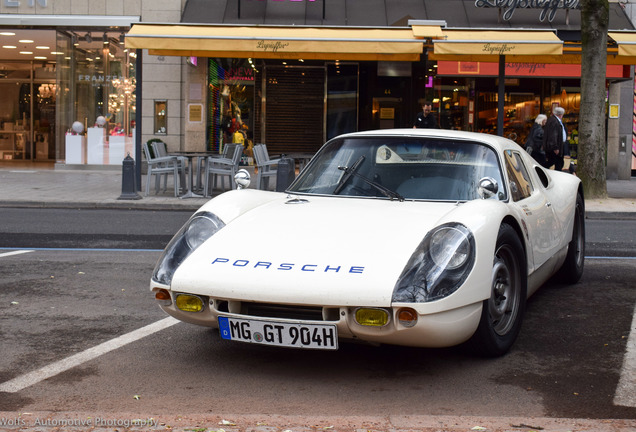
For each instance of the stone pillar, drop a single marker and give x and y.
(619, 130)
(195, 103)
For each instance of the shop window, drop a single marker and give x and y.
(231, 112)
(161, 115)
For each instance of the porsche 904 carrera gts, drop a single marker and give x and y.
(405, 237)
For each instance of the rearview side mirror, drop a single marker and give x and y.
(242, 179)
(488, 187)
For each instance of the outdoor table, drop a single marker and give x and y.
(190, 155)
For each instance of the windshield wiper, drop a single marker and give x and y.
(352, 171)
(347, 175)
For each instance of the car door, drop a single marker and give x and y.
(539, 222)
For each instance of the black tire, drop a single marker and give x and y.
(572, 268)
(502, 313)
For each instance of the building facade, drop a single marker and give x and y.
(69, 82)
(196, 98)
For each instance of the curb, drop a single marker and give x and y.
(126, 204)
(612, 215)
(117, 205)
(125, 421)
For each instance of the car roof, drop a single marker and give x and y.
(494, 140)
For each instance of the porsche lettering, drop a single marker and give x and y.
(268, 265)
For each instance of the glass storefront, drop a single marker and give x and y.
(291, 108)
(27, 124)
(471, 104)
(79, 82)
(97, 91)
(231, 110)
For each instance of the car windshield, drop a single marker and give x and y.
(400, 167)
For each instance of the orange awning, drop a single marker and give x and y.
(626, 42)
(488, 45)
(328, 43)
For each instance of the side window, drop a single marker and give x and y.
(520, 184)
(545, 180)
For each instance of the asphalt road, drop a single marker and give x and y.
(145, 229)
(60, 303)
(116, 229)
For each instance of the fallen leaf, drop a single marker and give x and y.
(15, 303)
(227, 423)
(480, 428)
(136, 397)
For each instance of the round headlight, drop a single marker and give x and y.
(450, 247)
(201, 228)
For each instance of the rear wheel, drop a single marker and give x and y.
(572, 268)
(502, 313)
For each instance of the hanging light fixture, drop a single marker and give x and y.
(105, 39)
(89, 38)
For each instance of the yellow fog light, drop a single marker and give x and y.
(407, 317)
(189, 303)
(372, 317)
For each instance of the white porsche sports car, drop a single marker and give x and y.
(425, 238)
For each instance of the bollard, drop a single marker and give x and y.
(285, 173)
(128, 187)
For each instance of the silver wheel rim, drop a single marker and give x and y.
(503, 305)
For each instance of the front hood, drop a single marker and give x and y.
(321, 251)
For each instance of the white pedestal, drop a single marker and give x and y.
(116, 149)
(75, 149)
(95, 144)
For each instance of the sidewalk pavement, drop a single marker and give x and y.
(33, 186)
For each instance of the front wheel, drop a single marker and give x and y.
(572, 268)
(503, 312)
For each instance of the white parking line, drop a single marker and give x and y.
(626, 388)
(18, 252)
(31, 378)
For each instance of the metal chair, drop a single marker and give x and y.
(161, 166)
(266, 167)
(202, 163)
(224, 166)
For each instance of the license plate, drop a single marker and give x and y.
(280, 333)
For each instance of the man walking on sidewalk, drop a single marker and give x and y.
(554, 137)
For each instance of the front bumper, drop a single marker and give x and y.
(433, 330)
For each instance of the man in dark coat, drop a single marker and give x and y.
(425, 119)
(554, 136)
